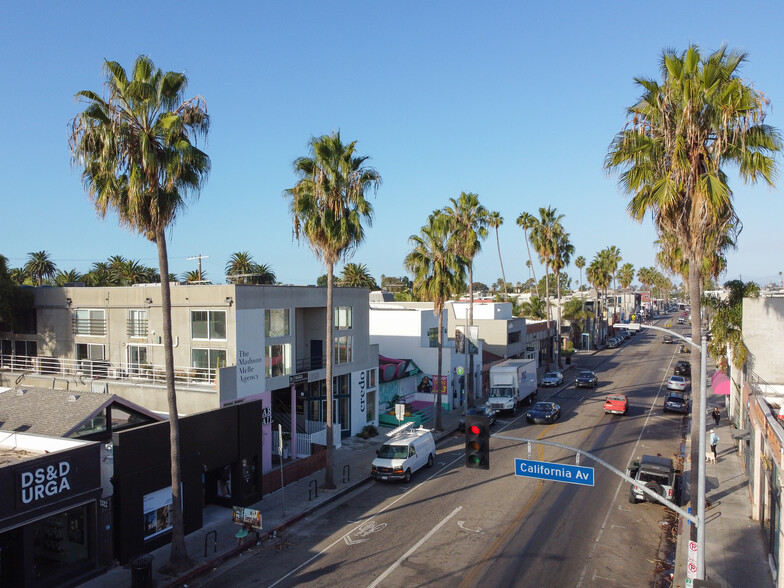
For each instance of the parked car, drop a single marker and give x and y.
(675, 402)
(586, 379)
(616, 404)
(613, 342)
(543, 412)
(552, 379)
(482, 410)
(668, 339)
(681, 320)
(657, 474)
(403, 455)
(682, 368)
(676, 383)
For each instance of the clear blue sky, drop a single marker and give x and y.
(515, 101)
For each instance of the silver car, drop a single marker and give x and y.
(552, 379)
(677, 383)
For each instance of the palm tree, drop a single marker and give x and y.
(543, 237)
(240, 268)
(526, 221)
(468, 221)
(139, 162)
(626, 276)
(597, 274)
(580, 264)
(356, 275)
(70, 277)
(495, 220)
(684, 131)
(128, 272)
(194, 276)
(562, 255)
(534, 308)
(40, 266)
(439, 273)
(612, 257)
(328, 207)
(100, 274)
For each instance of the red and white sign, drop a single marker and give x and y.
(691, 567)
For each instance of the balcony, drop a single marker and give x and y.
(89, 326)
(137, 327)
(83, 370)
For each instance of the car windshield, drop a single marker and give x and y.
(393, 451)
(502, 392)
(615, 398)
(541, 406)
(585, 375)
(550, 375)
(676, 379)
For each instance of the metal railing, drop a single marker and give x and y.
(89, 326)
(92, 369)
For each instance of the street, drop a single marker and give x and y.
(457, 527)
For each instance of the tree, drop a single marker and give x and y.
(468, 221)
(626, 276)
(100, 274)
(194, 277)
(328, 207)
(580, 264)
(599, 277)
(574, 312)
(495, 220)
(561, 256)
(543, 237)
(525, 221)
(70, 277)
(671, 156)
(40, 266)
(727, 322)
(240, 268)
(439, 273)
(534, 308)
(139, 162)
(128, 272)
(356, 275)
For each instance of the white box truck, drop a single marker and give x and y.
(511, 382)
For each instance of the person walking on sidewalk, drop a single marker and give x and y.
(716, 415)
(714, 441)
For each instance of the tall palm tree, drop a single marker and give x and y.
(240, 268)
(626, 276)
(328, 207)
(526, 221)
(543, 237)
(495, 220)
(468, 221)
(139, 162)
(356, 275)
(596, 273)
(562, 255)
(612, 257)
(439, 273)
(580, 264)
(684, 131)
(40, 266)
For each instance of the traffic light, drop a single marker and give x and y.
(477, 442)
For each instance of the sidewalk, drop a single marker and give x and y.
(215, 542)
(735, 553)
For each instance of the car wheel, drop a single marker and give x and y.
(407, 476)
(430, 460)
(514, 410)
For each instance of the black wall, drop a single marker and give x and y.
(208, 440)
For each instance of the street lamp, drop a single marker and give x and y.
(703, 349)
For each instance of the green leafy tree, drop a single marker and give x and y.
(328, 207)
(726, 324)
(135, 148)
(40, 266)
(534, 308)
(100, 274)
(468, 221)
(70, 277)
(439, 272)
(672, 154)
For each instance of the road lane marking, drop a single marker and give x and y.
(416, 546)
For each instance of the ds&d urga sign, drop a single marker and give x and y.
(44, 482)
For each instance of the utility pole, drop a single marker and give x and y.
(199, 257)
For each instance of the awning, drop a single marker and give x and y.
(720, 383)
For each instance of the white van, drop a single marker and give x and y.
(404, 453)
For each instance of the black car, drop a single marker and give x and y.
(682, 368)
(586, 379)
(477, 411)
(543, 412)
(675, 402)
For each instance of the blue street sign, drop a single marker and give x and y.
(556, 472)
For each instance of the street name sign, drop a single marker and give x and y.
(555, 472)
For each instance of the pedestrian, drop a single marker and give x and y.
(716, 415)
(714, 440)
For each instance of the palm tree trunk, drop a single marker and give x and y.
(531, 261)
(470, 387)
(501, 261)
(329, 481)
(439, 425)
(178, 556)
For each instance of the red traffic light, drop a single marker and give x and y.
(477, 442)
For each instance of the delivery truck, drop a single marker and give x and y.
(511, 382)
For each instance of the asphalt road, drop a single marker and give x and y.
(456, 527)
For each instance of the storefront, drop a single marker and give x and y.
(48, 510)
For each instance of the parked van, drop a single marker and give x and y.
(404, 453)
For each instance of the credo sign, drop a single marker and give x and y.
(44, 482)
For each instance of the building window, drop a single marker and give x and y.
(26, 348)
(343, 347)
(343, 318)
(207, 361)
(432, 337)
(513, 337)
(137, 358)
(371, 406)
(371, 378)
(89, 322)
(341, 385)
(137, 323)
(278, 360)
(208, 324)
(276, 322)
(90, 351)
(62, 543)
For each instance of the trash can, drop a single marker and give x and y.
(141, 572)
